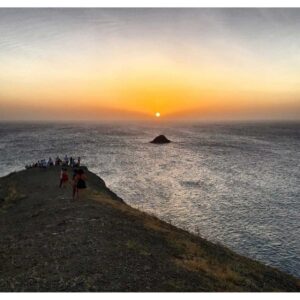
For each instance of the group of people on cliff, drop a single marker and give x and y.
(66, 161)
(78, 181)
(78, 176)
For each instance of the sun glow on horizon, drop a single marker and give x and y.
(208, 65)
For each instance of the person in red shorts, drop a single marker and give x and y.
(64, 178)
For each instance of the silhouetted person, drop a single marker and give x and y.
(79, 182)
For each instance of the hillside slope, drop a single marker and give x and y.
(49, 243)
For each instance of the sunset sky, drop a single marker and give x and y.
(81, 64)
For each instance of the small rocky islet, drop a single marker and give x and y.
(161, 139)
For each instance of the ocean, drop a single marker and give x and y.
(237, 184)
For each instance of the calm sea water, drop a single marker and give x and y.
(236, 184)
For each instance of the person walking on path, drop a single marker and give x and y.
(79, 183)
(74, 183)
(64, 178)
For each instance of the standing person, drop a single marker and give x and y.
(57, 161)
(74, 183)
(64, 178)
(71, 161)
(66, 161)
(78, 161)
(44, 163)
(79, 182)
(50, 162)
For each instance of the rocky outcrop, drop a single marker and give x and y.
(161, 139)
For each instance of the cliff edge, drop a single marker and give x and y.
(49, 243)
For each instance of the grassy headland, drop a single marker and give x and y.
(48, 243)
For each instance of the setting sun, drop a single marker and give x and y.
(157, 114)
